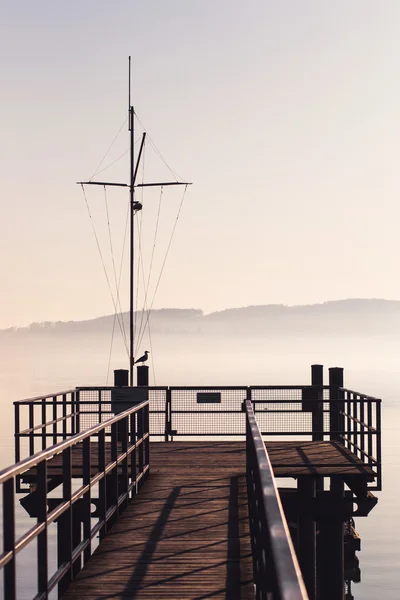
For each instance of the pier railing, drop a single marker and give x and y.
(289, 412)
(276, 571)
(108, 480)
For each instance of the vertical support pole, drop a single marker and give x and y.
(54, 419)
(76, 537)
(42, 562)
(132, 231)
(378, 444)
(336, 399)
(355, 423)
(140, 431)
(31, 426)
(167, 424)
(369, 423)
(100, 406)
(362, 428)
(331, 547)
(143, 376)
(102, 483)
(133, 438)
(73, 410)
(9, 579)
(78, 411)
(17, 428)
(64, 524)
(317, 380)
(112, 478)
(86, 500)
(64, 416)
(306, 534)
(147, 441)
(123, 477)
(120, 380)
(44, 428)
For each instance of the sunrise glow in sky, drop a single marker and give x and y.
(284, 115)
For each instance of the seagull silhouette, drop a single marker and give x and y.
(143, 358)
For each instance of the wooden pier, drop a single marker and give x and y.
(186, 534)
(146, 501)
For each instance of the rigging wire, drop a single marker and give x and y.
(118, 299)
(147, 286)
(123, 248)
(140, 227)
(101, 256)
(155, 238)
(118, 287)
(117, 316)
(165, 259)
(110, 353)
(139, 245)
(139, 249)
(157, 151)
(109, 148)
(145, 307)
(113, 163)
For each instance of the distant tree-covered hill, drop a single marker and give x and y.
(351, 316)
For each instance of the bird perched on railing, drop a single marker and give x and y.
(143, 358)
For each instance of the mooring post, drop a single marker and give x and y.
(306, 533)
(330, 545)
(143, 376)
(121, 377)
(317, 380)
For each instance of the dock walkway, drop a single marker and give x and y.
(185, 535)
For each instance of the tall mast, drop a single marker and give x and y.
(134, 206)
(131, 120)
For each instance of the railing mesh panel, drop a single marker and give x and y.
(208, 411)
(95, 406)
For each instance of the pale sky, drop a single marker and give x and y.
(285, 115)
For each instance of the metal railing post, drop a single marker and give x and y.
(336, 398)
(17, 427)
(168, 424)
(9, 580)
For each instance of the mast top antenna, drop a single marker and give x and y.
(129, 84)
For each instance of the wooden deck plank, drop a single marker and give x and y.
(288, 459)
(185, 536)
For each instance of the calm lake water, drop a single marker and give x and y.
(37, 365)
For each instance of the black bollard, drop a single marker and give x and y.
(143, 376)
(121, 377)
(317, 381)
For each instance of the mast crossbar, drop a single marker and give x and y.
(162, 184)
(102, 183)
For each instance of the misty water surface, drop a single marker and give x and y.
(32, 365)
